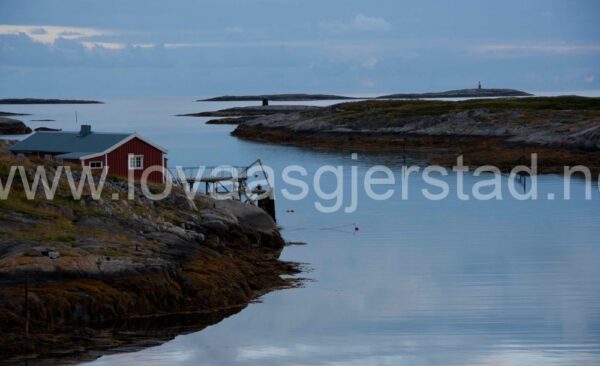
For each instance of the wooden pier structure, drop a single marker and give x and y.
(230, 182)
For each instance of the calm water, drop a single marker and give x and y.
(422, 283)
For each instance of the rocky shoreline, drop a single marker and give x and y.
(228, 120)
(501, 132)
(238, 115)
(252, 111)
(111, 275)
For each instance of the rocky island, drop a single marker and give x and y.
(503, 132)
(8, 114)
(460, 93)
(275, 97)
(78, 278)
(47, 129)
(47, 101)
(237, 115)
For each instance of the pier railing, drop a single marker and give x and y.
(201, 174)
(226, 180)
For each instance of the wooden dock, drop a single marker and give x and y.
(230, 182)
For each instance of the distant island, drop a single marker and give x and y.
(276, 97)
(460, 93)
(47, 129)
(7, 114)
(47, 101)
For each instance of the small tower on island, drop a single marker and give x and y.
(479, 86)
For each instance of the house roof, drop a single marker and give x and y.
(72, 145)
(74, 155)
(68, 142)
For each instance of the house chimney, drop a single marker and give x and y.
(85, 130)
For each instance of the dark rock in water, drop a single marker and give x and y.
(9, 126)
(46, 101)
(47, 129)
(6, 114)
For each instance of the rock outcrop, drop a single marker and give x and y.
(9, 126)
(84, 267)
(47, 129)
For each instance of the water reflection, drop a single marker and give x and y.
(449, 282)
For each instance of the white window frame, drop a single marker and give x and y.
(96, 162)
(134, 167)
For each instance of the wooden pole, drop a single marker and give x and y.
(27, 307)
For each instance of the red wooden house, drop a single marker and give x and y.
(120, 153)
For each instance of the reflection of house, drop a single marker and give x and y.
(119, 152)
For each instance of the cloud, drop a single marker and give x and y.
(48, 34)
(107, 45)
(143, 45)
(248, 44)
(54, 36)
(21, 51)
(588, 78)
(514, 49)
(366, 23)
(38, 31)
(360, 22)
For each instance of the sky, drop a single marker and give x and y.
(82, 48)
